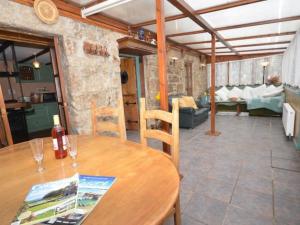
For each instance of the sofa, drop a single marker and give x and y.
(258, 100)
(190, 117)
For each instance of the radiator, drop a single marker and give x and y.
(288, 119)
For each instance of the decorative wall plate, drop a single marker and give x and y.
(46, 10)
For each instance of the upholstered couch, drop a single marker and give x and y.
(188, 116)
(258, 100)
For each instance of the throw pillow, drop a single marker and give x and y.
(274, 92)
(223, 93)
(187, 101)
(235, 93)
(247, 93)
(259, 91)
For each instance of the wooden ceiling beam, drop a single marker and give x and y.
(44, 51)
(73, 12)
(250, 45)
(258, 23)
(244, 38)
(189, 12)
(256, 50)
(201, 11)
(226, 58)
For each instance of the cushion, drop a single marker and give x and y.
(187, 102)
(247, 93)
(235, 93)
(223, 93)
(259, 91)
(274, 92)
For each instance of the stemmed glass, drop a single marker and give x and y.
(37, 148)
(72, 147)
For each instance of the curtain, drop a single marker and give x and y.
(248, 71)
(221, 74)
(290, 63)
(234, 72)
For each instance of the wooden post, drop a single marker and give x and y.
(213, 131)
(162, 62)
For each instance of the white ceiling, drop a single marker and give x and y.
(138, 11)
(24, 52)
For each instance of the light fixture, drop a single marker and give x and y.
(174, 58)
(265, 64)
(35, 63)
(202, 65)
(101, 7)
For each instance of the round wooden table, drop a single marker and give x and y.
(146, 188)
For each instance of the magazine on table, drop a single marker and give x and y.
(57, 205)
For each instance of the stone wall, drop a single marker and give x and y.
(176, 76)
(86, 77)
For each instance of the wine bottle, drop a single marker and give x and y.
(59, 139)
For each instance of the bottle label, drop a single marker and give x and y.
(55, 143)
(64, 142)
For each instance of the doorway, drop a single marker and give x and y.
(131, 89)
(31, 87)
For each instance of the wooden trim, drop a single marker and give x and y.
(285, 19)
(189, 12)
(201, 11)
(128, 45)
(5, 119)
(73, 12)
(62, 82)
(100, 20)
(250, 45)
(263, 49)
(226, 58)
(243, 38)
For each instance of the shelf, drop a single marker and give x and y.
(128, 45)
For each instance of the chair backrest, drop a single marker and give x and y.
(171, 118)
(100, 125)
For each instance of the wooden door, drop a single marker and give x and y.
(129, 91)
(189, 79)
(5, 133)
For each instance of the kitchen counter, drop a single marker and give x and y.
(17, 105)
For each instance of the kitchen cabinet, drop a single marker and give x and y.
(40, 117)
(42, 75)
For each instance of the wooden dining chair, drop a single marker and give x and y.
(163, 136)
(100, 123)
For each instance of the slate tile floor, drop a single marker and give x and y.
(249, 175)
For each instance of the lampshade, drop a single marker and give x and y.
(265, 64)
(36, 64)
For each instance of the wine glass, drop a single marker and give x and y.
(72, 147)
(37, 148)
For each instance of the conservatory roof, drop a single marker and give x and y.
(241, 27)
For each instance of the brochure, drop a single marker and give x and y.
(73, 208)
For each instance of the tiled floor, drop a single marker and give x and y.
(249, 175)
